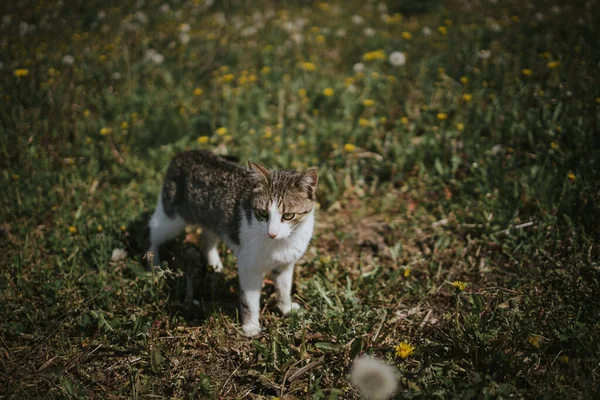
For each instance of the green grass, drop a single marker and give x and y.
(463, 168)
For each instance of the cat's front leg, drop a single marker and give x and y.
(283, 288)
(250, 286)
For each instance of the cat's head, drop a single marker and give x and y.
(282, 199)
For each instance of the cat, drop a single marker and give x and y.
(266, 217)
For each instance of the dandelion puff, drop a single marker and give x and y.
(427, 31)
(184, 27)
(539, 16)
(382, 8)
(373, 378)
(68, 59)
(165, 8)
(184, 38)
(23, 28)
(484, 54)
(118, 255)
(116, 76)
(555, 10)
(340, 33)
(358, 68)
(369, 32)
(397, 59)
(357, 20)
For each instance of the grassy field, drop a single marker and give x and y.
(458, 149)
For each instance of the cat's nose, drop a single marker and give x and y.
(272, 235)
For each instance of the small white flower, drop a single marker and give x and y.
(426, 31)
(397, 59)
(340, 33)
(23, 28)
(68, 59)
(373, 379)
(116, 76)
(358, 20)
(351, 89)
(118, 255)
(158, 58)
(369, 32)
(101, 14)
(184, 28)
(539, 16)
(165, 8)
(484, 54)
(358, 68)
(184, 38)
(220, 18)
(248, 31)
(495, 27)
(382, 8)
(141, 17)
(298, 38)
(555, 10)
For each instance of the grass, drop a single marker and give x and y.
(477, 161)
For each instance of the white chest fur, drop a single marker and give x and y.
(258, 250)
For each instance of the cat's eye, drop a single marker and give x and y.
(288, 216)
(264, 214)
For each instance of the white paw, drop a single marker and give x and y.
(287, 310)
(251, 329)
(217, 268)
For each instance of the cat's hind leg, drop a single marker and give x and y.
(210, 242)
(163, 228)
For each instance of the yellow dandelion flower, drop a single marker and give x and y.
(368, 102)
(105, 131)
(52, 72)
(526, 71)
(15, 177)
(124, 125)
(308, 66)
(535, 341)
(441, 71)
(363, 122)
(443, 30)
(383, 120)
(442, 116)
(134, 116)
(315, 112)
(21, 72)
(553, 64)
(221, 131)
(72, 229)
(268, 133)
(460, 126)
(467, 97)
(554, 145)
(391, 78)
(86, 113)
(406, 35)
(268, 47)
(459, 285)
(198, 92)
(407, 272)
(202, 139)
(102, 58)
(564, 359)
(464, 80)
(123, 228)
(302, 92)
(349, 147)
(404, 120)
(265, 70)
(374, 55)
(597, 100)
(546, 55)
(348, 81)
(323, 6)
(328, 92)
(448, 22)
(228, 77)
(571, 176)
(99, 228)
(320, 39)
(515, 18)
(375, 75)
(404, 349)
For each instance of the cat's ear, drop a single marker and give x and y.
(308, 181)
(259, 173)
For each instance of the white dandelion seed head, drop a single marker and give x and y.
(68, 59)
(101, 14)
(484, 54)
(555, 10)
(373, 378)
(249, 31)
(220, 18)
(340, 33)
(397, 59)
(118, 255)
(184, 27)
(184, 38)
(158, 58)
(165, 8)
(358, 68)
(23, 28)
(539, 16)
(298, 38)
(495, 27)
(351, 89)
(116, 76)
(369, 32)
(141, 17)
(358, 20)
(382, 8)
(426, 31)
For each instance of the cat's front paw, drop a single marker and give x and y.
(288, 309)
(250, 329)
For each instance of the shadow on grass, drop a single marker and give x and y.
(211, 292)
